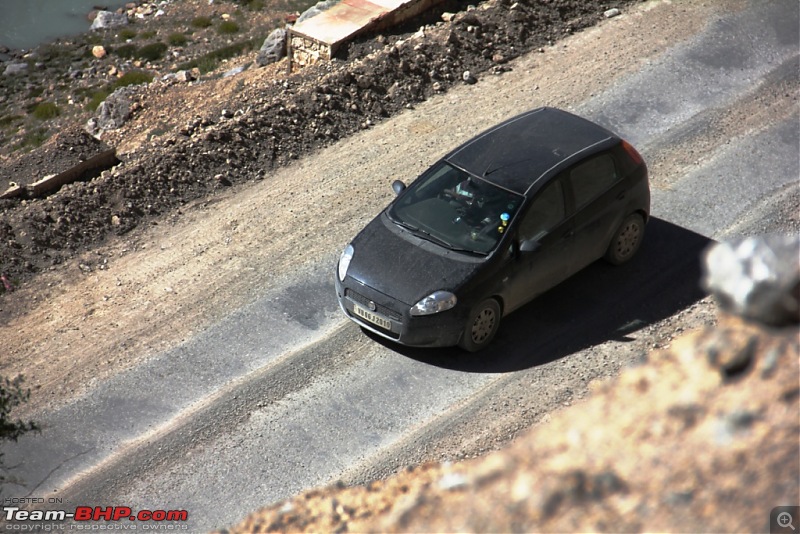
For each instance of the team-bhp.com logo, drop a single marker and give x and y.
(92, 514)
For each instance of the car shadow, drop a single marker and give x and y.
(600, 303)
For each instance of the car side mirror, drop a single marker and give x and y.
(398, 187)
(530, 245)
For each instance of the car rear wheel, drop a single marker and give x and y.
(627, 240)
(481, 326)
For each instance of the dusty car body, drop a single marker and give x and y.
(494, 223)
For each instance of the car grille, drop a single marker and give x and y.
(364, 301)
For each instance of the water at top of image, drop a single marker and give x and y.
(26, 24)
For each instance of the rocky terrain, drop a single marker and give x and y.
(68, 78)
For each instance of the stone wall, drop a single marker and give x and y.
(304, 51)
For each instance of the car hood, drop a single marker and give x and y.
(401, 265)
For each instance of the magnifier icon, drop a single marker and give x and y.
(785, 520)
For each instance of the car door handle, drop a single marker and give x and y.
(568, 234)
(621, 195)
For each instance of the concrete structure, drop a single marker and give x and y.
(319, 37)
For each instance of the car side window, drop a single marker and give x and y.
(591, 178)
(545, 213)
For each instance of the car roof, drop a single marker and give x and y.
(516, 153)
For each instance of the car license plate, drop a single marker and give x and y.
(371, 317)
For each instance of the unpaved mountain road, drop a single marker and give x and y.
(208, 368)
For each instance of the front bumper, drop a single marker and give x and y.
(438, 330)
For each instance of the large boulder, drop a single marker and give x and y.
(109, 19)
(15, 68)
(273, 49)
(112, 112)
(757, 278)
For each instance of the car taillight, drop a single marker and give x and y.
(632, 153)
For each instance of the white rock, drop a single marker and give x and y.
(109, 19)
(757, 278)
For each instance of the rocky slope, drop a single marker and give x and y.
(69, 77)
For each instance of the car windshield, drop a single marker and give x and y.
(456, 210)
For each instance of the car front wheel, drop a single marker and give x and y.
(481, 326)
(626, 240)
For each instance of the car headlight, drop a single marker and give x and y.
(344, 261)
(436, 302)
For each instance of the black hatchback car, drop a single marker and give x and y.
(496, 222)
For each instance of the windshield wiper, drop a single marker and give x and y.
(469, 250)
(424, 234)
(421, 233)
(439, 241)
(403, 224)
(432, 238)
